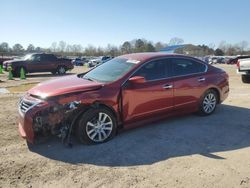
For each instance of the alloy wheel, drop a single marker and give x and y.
(61, 70)
(100, 127)
(209, 103)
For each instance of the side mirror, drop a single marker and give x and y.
(137, 80)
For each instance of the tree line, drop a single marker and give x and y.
(137, 45)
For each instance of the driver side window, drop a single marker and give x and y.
(153, 70)
(36, 58)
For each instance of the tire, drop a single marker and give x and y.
(91, 128)
(61, 70)
(53, 72)
(16, 73)
(245, 78)
(208, 103)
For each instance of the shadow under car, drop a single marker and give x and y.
(227, 129)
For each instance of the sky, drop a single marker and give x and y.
(102, 22)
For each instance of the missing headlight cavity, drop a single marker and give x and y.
(56, 120)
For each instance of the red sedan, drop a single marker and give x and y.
(125, 92)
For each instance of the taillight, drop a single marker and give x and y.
(238, 64)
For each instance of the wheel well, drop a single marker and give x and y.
(94, 105)
(117, 116)
(107, 107)
(217, 92)
(18, 68)
(61, 66)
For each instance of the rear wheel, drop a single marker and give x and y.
(245, 78)
(17, 72)
(96, 126)
(208, 103)
(53, 72)
(61, 70)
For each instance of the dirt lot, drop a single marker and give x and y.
(190, 151)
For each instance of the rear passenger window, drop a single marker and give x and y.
(186, 66)
(48, 57)
(154, 70)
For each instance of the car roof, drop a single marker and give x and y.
(142, 57)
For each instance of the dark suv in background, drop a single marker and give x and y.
(39, 62)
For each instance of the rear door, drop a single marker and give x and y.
(189, 83)
(152, 97)
(49, 62)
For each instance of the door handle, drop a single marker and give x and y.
(201, 79)
(167, 86)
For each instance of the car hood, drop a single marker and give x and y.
(63, 85)
(13, 61)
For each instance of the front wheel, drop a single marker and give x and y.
(96, 126)
(208, 103)
(17, 72)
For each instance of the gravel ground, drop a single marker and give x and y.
(187, 151)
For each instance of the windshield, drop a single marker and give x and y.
(111, 70)
(27, 57)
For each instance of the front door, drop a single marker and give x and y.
(152, 97)
(35, 63)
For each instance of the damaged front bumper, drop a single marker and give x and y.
(25, 127)
(38, 119)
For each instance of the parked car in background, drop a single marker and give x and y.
(39, 62)
(217, 60)
(234, 60)
(226, 60)
(2, 59)
(125, 92)
(93, 62)
(106, 58)
(96, 61)
(212, 60)
(243, 65)
(79, 61)
(221, 60)
(205, 59)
